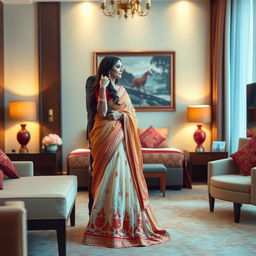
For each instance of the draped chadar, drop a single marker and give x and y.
(106, 137)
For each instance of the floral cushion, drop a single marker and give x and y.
(7, 166)
(245, 157)
(1, 179)
(162, 131)
(151, 138)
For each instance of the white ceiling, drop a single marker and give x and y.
(33, 1)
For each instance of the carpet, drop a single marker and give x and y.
(184, 213)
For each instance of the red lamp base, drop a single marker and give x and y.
(23, 137)
(199, 138)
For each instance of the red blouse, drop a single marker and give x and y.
(109, 97)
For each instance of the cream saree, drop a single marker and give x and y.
(121, 215)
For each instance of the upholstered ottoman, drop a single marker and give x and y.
(156, 171)
(49, 200)
(172, 159)
(78, 162)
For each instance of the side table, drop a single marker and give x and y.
(45, 163)
(197, 163)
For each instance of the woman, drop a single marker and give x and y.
(121, 215)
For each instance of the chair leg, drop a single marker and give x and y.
(237, 210)
(61, 237)
(211, 203)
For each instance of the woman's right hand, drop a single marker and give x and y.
(115, 115)
(104, 81)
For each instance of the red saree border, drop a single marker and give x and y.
(115, 242)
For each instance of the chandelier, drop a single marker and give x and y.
(125, 8)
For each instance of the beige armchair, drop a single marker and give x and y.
(226, 182)
(13, 229)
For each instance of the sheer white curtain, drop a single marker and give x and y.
(240, 66)
(253, 31)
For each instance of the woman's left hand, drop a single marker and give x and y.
(115, 115)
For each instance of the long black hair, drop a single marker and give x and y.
(105, 66)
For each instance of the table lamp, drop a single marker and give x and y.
(199, 114)
(22, 111)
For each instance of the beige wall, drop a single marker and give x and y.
(182, 26)
(20, 65)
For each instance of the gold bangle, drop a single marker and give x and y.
(102, 100)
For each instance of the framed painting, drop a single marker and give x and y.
(148, 77)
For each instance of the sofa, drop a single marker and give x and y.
(49, 200)
(155, 150)
(78, 163)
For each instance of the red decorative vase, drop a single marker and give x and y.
(199, 138)
(23, 137)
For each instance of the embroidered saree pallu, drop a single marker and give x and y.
(121, 215)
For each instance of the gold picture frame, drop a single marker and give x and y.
(148, 77)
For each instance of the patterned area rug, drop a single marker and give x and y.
(185, 214)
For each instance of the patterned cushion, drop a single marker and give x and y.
(1, 179)
(151, 138)
(162, 131)
(79, 158)
(245, 157)
(170, 158)
(7, 166)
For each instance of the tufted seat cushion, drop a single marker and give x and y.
(233, 182)
(170, 157)
(45, 197)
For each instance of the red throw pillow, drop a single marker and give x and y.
(162, 131)
(151, 138)
(7, 166)
(1, 179)
(245, 157)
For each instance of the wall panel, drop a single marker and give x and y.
(49, 68)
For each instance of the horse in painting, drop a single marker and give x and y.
(140, 82)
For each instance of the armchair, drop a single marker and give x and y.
(226, 182)
(13, 231)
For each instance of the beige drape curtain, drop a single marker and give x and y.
(218, 20)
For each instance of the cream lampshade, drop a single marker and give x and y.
(22, 111)
(199, 114)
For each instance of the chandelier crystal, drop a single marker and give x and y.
(111, 8)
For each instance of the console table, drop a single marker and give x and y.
(45, 163)
(197, 163)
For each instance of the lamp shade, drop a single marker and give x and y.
(199, 113)
(22, 110)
